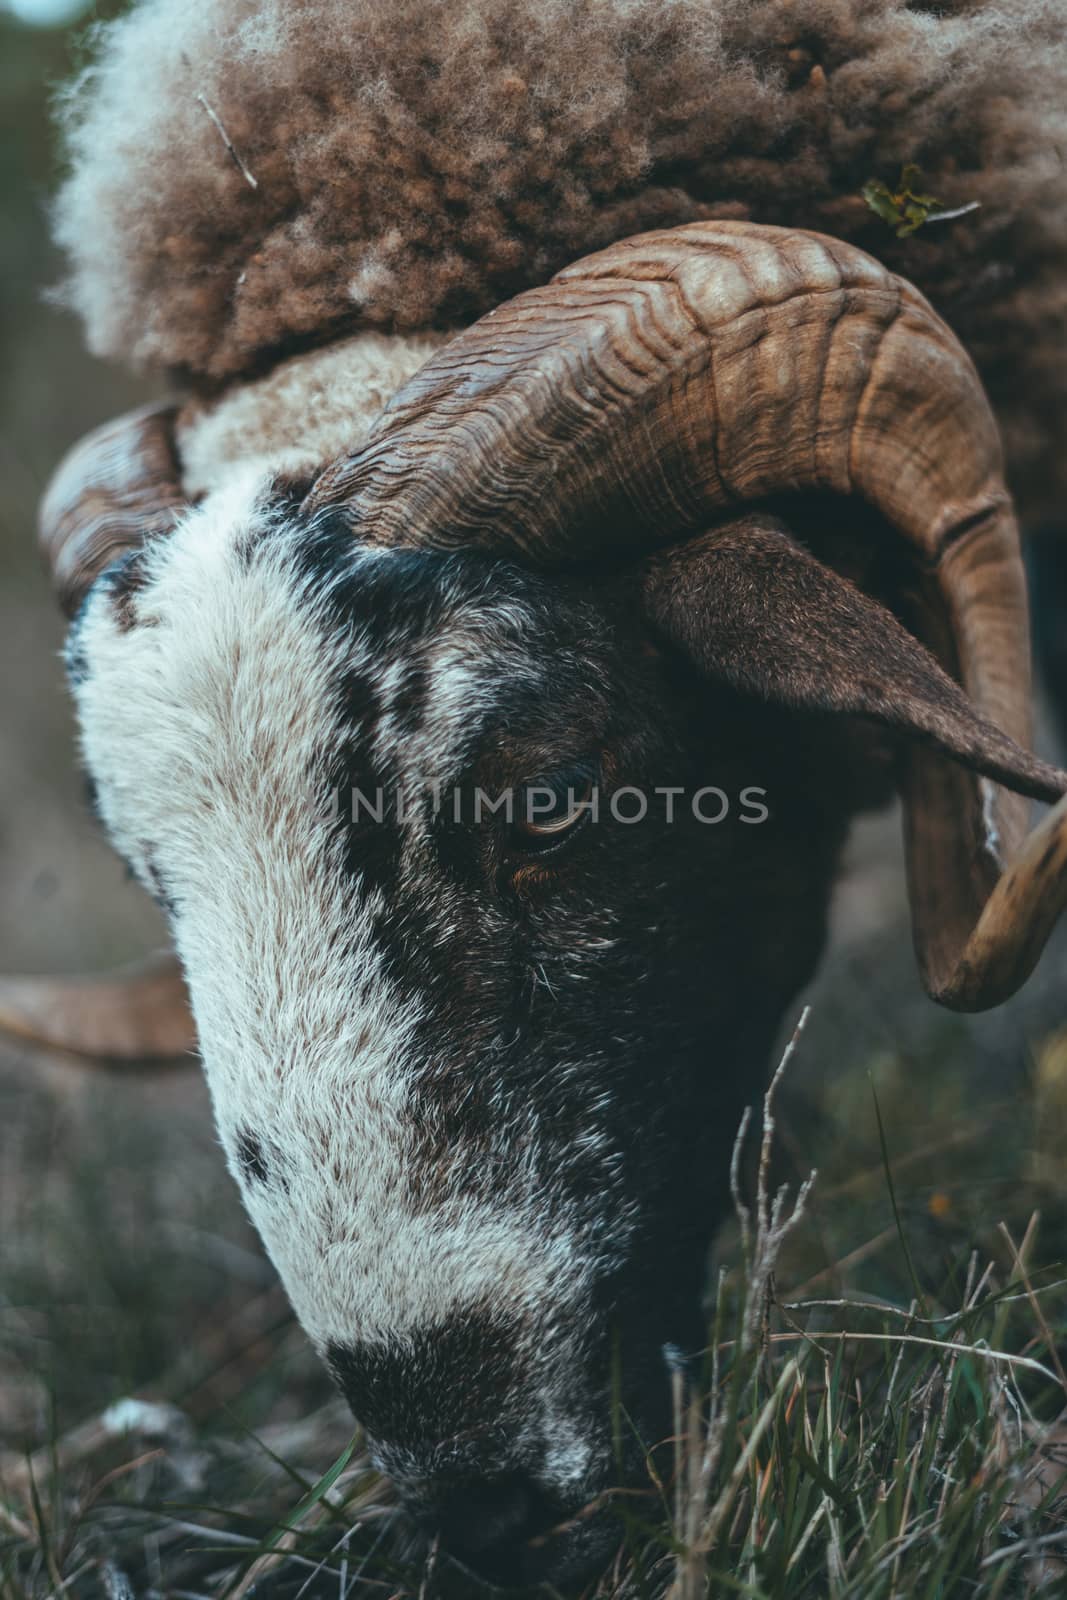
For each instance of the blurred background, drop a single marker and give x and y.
(126, 1265)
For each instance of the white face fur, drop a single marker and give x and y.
(476, 1129)
(207, 706)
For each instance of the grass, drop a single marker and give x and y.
(854, 1447)
(877, 1413)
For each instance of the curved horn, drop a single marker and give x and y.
(116, 487)
(133, 1015)
(659, 382)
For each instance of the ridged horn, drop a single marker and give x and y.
(138, 1014)
(653, 386)
(115, 488)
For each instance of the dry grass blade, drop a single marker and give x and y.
(1018, 1261)
(228, 142)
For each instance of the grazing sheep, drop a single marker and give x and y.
(666, 522)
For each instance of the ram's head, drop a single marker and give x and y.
(650, 552)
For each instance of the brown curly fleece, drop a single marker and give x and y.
(416, 161)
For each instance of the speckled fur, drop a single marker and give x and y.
(428, 1053)
(311, 1045)
(215, 701)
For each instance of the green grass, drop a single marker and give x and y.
(876, 1416)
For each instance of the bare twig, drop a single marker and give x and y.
(911, 1338)
(744, 1216)
(764, 1229)
(740, 1468)
(957, 211)
(773, 1225)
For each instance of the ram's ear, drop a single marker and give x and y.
(748, 606)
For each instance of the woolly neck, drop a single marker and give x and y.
(302, 414)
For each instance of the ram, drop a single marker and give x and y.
(487, 699)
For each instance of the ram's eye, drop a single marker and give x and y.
(551, 809)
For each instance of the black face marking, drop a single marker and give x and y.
(160, 893)
(408, 708)
(453, 1383)
(403, 595)
(74, 657)
(361, 704)
(92, 795)
(250, 1157)
(355, 791)
(125, 581)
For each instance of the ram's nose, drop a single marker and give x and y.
(487, 1523)
(488, 1514)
